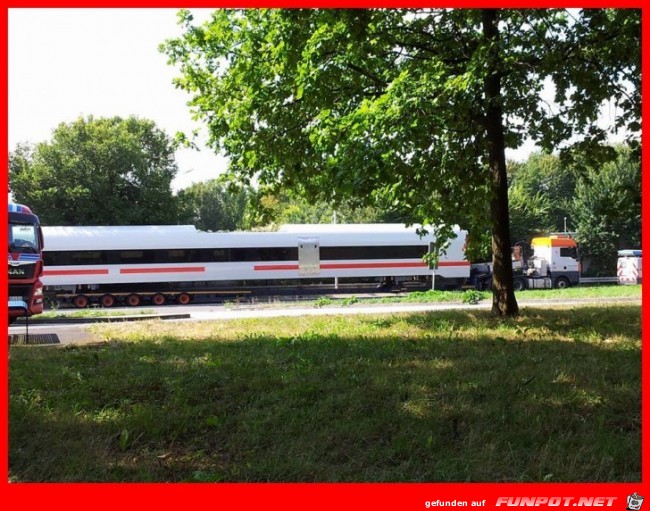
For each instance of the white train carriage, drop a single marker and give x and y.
(162, 262)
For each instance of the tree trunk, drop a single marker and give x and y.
(503, 294)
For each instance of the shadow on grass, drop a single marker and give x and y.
(458, 396)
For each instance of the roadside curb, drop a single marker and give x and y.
(105, 319)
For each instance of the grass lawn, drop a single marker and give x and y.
(553, 395)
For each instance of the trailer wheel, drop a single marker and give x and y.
(158, 299)
(107, 301)
(133, 300)
(183, 299)
(518, 284)
(80, 301)
(561, 283)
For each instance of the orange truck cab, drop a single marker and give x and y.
(556, 258)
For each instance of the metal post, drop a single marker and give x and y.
(336, 279)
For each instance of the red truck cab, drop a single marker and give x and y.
(25, 263)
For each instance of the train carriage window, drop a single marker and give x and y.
(287, 254)
(56, 258)
(219, 255)
(271, 254)
(378, 252)
(264, 254)
(191, 255)
(87, 257)
(132, 256)
(50, 258)
(175, 256)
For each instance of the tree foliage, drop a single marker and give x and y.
(541, 193)
(529, 214)
(607, 210)
(105, 171)
(412, 109)
(210, 206)
(213, 206)
(269, 209)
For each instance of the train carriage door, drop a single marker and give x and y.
(309, 255)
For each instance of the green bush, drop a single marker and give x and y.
(472, 296)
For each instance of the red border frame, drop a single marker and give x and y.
(304, 496)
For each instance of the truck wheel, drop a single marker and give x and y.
(561, 283)
(158, 299)
(80, 301)
(519, 284)
(107, 301)
(183, 299)
(133, 300)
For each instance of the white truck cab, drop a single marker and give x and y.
(551, 262)
(556, 257)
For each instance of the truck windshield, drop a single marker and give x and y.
(23, 238)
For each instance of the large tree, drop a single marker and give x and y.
(104, 171)
(410, 108)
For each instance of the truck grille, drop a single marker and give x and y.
(23, 271)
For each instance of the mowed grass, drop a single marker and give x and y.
(553, 395)
(571, 293)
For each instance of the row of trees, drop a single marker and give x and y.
(409, 109)
(119, 171)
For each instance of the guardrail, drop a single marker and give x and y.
(597, 280)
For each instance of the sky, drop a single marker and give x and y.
(67, 63)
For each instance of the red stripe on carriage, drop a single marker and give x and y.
(453, 263)
(53, 273)
(180, 269)
(267, 267)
